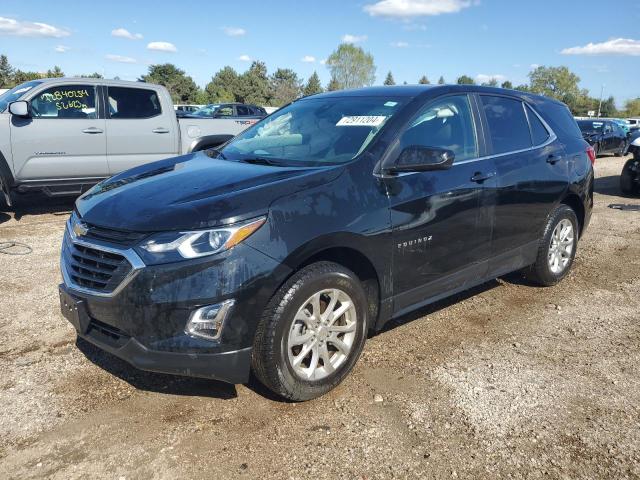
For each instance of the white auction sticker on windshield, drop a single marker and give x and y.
(362, 121)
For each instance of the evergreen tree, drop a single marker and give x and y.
(424, 80)
(441, 80)
(285, 87)
(389, 80)
(6, 72)
(313, 85)
(222, 87)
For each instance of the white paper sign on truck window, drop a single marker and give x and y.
(361, 121)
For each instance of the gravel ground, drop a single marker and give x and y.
(507, 380)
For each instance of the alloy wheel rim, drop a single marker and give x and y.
(561, 247)
(322, 334)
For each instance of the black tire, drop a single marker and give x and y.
(620, 152)
(270, 359)
(626, 179)
(540, 272)
(596, 149)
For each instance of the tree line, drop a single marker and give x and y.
(349, 66)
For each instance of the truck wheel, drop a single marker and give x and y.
(311, 333)
(626, 179)
(621, 151)
(557, 248)
(6, 199)
(596, 149)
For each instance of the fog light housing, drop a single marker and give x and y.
(207, 322)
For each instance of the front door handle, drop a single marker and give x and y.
(92, 130)
(553, 159)
(160, 130)
(480, 177)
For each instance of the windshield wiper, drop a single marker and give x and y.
(260, 161)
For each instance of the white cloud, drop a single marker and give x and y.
(348, 38)
(615, 46)
(120, 59)
(399, 44)
(308, 59)
(244, 58)
(61, 48)
(124, 33)
(416, 8)
(19, 28)
(484, 78)
(533, 66)
(162, 47)
(234, 31)
(323, 61)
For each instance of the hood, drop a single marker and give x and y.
(193, 191)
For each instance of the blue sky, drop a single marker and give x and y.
(599, 40)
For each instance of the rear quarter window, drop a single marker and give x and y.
(560, 119)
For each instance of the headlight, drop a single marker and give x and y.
(170, 246)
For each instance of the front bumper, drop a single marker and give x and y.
(230, 366)
(144, 321)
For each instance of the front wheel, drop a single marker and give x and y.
(311, 333)
(557, 248)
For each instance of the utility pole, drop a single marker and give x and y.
(600, 104)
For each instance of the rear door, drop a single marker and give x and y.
(441, 219)
(138, 131)
(64, 138)
(532, 173)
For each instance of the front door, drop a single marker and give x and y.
(442, 219)
(138, 131)
(63, 139)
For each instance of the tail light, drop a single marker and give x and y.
(591, 154)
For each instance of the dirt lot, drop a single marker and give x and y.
(507, 380)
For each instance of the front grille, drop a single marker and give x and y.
(93, 268)
(120, 237)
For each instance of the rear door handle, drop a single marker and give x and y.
(480, 177)
(92, 130)
(160, 130)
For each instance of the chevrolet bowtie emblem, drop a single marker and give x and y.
(80, 229)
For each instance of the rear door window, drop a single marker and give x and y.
(539, 133)
(65, 101)
(243, 111)
(128, 103)
(508, 126)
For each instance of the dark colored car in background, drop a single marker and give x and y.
(630, 175)
(280, 251)
(228, 110)
(605, 136)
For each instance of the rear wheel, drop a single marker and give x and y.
(596, 148)
(557, 248)
(621, 150)
(311, 333)
(626, 179)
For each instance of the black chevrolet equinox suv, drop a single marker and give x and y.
(279, 252)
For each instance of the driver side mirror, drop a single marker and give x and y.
(19, 109)
(417, 158)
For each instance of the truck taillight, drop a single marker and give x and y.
(592, 154)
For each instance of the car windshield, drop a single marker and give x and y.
(312, 132)
(15, 93)
(206, 111)
(587, 126)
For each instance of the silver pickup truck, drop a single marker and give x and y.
(63, 135)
